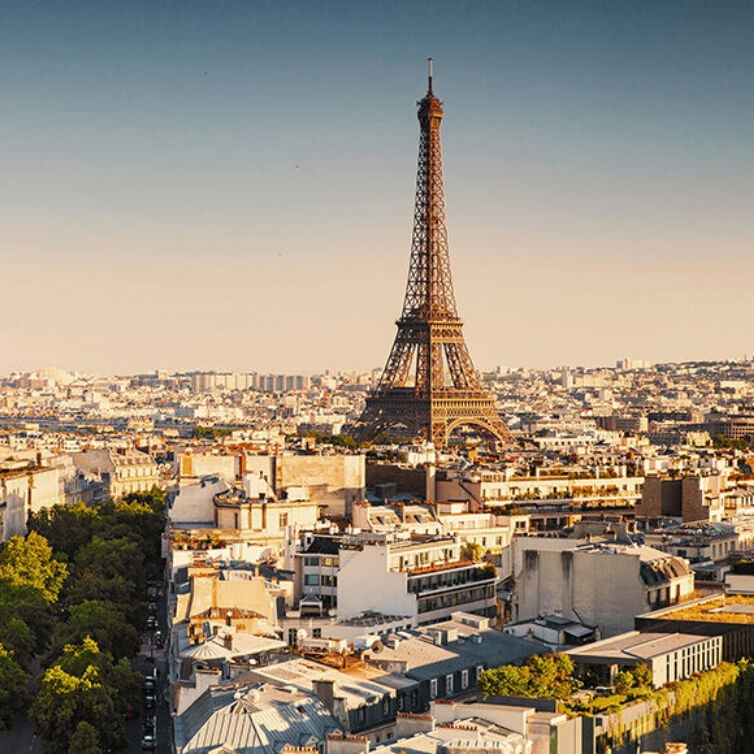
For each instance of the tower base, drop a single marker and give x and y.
(433, 419)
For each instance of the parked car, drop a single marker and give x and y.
(149, 685)
(152, 608)
(149, 742)
(151, 622)
(150, 701)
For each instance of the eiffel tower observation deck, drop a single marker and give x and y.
(429, 386)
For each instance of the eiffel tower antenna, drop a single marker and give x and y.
(429, 386)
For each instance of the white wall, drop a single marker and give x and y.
(364, 583)
(193, 503)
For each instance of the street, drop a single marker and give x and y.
(134, 728)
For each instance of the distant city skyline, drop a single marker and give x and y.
(231, 186)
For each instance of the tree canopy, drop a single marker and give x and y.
(104, 622)
(79, 687)
(28, 561)
(541, 676)
(13, 695)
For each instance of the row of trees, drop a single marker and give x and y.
(72, 599)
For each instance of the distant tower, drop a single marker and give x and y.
(429, 386)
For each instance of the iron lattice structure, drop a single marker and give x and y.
(429, 386)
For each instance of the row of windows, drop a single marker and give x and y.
(314, 579)
(450, 682)
(329, 562)
(692, 659)
(456, 598)
(130, 471)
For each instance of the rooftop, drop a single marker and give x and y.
(635, 646)
(731, 609)
(253, 719)
(452, 645)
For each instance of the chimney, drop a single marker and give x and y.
(337, 743)
(325, 690)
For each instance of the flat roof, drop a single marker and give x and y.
(738, 608)
(635, 646)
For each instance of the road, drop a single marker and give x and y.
(20, 739)
(134, 728)
(143, 663)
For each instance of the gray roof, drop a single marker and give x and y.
(467, 733)
(634, 647)
(251, 719)
(425, 659)
(301, 673)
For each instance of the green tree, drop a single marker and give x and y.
(13, 694)
(85, 740)
(65, 527)
(472, 551)
(642, 675)
(542, 676)
(26, 602)
(112, 559)
(118, 676)
(18, 638)
(623, 681)
(104, 622)
(28, 560)
(75, 689)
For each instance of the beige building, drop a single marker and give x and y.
(194, 466)
(262, 520)
(496, 488)
(23, 493)
(209, 595)
(692, 498)
(122, 473)
(333, 481)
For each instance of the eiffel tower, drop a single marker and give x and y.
(429, 386)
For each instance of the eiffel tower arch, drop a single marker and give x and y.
(429, 386)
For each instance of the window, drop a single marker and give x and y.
(311, 579)
(385, 705)
(282, 521)
(311, 561)
(362, 715)
(479, 671)
(464, 679)
(449, 683)
(433, 689)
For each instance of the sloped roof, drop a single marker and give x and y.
(258, 719)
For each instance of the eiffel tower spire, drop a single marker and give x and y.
(429, 385)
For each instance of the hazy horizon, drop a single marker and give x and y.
(231, 186)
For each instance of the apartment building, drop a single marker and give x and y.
(423, 578)
(122, 473)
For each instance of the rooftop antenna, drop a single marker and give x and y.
(431, 72)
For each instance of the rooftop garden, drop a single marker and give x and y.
(717, 610)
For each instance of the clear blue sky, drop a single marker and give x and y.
(230, 184)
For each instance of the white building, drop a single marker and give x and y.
(423, 578)
(603, 585)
